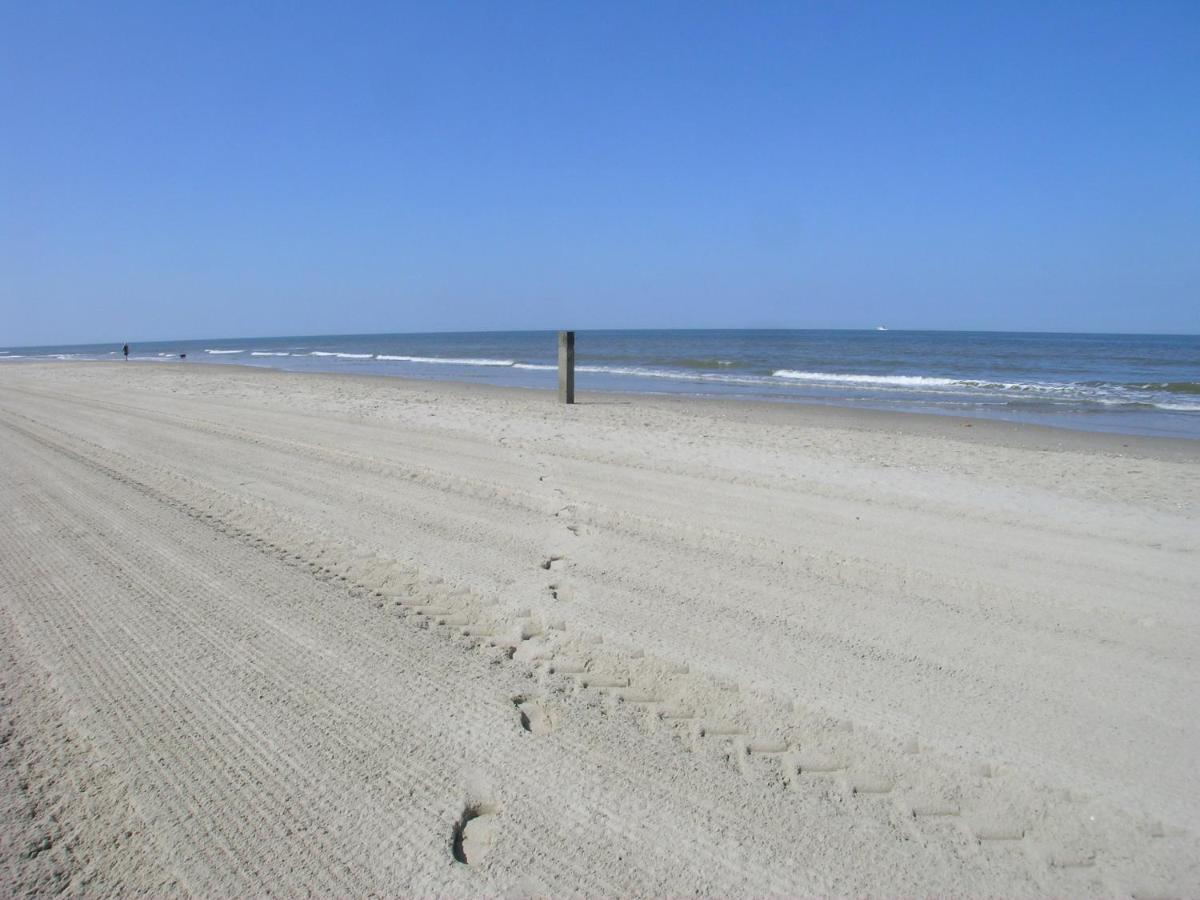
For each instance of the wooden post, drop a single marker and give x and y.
(566, 367)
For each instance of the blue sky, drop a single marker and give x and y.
(173, 170)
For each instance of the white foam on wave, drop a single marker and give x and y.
(783, 377)
(638, 370)
(452, 361)
(850, 378)
(615, 370)
(1179, 407)
(1100, 394)
(1037, 387)
(694, 377)
(643, 372)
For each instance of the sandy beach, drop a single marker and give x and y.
(282, 633)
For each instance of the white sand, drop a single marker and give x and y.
(288, 633)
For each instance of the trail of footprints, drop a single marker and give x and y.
(762, 738)
(798, 749)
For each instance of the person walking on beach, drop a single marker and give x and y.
(125, 350)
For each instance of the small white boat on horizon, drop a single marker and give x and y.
(881, 328)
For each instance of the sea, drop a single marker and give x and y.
(1127, 383)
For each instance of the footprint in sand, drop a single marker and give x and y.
(533, 717)
(477, 829)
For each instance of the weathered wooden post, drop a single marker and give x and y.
(566, 367)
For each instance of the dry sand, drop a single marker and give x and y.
(266, 632)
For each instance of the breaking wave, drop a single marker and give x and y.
(850, 378)
(451, 361)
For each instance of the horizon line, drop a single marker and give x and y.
(345, 334)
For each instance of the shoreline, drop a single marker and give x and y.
(1111, 383)
(971, 429)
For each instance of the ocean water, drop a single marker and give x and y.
(1138, 384)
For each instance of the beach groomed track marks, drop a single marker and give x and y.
(135, 504)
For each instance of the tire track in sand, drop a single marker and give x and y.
(863, 788)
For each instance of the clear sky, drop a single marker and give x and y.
(207, 169)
